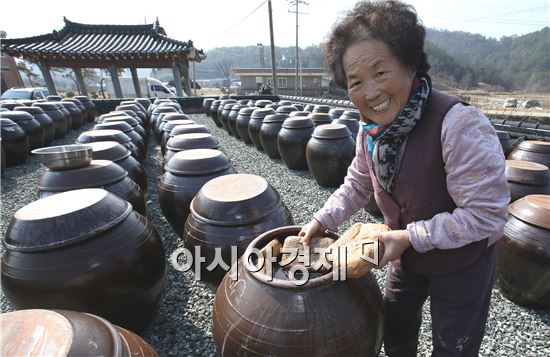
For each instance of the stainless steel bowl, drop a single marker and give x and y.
(65, 157)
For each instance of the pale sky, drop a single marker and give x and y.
(217, 23)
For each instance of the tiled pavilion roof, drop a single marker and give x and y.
(142, 45)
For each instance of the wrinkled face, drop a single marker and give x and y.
(378, 84)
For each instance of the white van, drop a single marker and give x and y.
(150, 88)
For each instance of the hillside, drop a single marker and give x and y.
(459, 59)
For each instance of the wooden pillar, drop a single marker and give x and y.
(80, 81)
(187, 80)
(177, 77)
(45, 69)
(135, 79)
(114, 77)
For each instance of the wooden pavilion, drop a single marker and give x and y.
(113, 47)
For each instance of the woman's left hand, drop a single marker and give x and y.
(395, 243)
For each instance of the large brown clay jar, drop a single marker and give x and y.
(206, 103)
(527, 178)
(189, 141)
(254, 316)
(329, 153)
(15, 142)
(91, 111)
(523, 262)
(30, 126)
(99, 174)
(534, 151)
(232, 120)
(241, 124)
(61, 126)
(84, 250)
(269, 131)
(186, 172)
(45, 122)
(255, 125)
(214, 112)
(230, 211)
(92, 136)
(292, 141)
(506, 142)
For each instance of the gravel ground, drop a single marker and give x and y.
(183, 324)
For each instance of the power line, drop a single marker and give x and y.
(247, 16)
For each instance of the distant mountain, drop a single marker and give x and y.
(459, 59)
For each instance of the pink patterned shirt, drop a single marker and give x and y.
(474, 164)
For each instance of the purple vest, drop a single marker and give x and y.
(420, 192)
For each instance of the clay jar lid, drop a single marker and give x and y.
(503, 135)
(321, 108)
(235, 200)
(30, 110)
(114, 125)
(173, 123)
(298, 122)
(109, 150)
(116, 113)
(165, 108)
(236, 107)
(533, 209)
(247, 111)
(336, 112)
(192, 141)
(6, 123)
(261, 113)
(82, 98)
(286, 109)
(331, 131)
(320, 118)
(275, 118)
(527, 172)
(299, 113)
(65, 218)
(198, 162)
(17, 116)
(132, 121)
(58, 333)
(261, 103)
(188, 129)
(174, 116)
(103, 135)
(45, 105)
(350, 114)
(535, 146)
(98, 173)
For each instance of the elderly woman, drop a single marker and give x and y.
(436, 169)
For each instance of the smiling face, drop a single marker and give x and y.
(378, 84)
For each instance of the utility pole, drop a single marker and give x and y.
(273, 65)
(296, 81)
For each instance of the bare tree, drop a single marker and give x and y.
(224, 68)
(25, 68)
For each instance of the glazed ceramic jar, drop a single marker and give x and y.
(156, 117)
(170, 117)
(223, 103)
(64, 333)
(523, 261)
(115, 152)
(84, 250)
(320, 118)
(322, 317)
(242, 124)
(98, 174)
(350, 114)
(45, 122)
(335, 113)
(527, 178)
(286, 109)
(261, 103)
(134, 123)
(292, 141)
(206, 103)
(30, 126)
(230, 211)
(186, 172)
(60, 123)
(189, 141)
(214, 112)
(269, 131)
(321, 108)
(506, 142)
(76, 115)
(534, 151)
(15, 142)
(127, 129)
(329, 153)
(167, 129)
(224, 115)
(232, 120)
(91, 111)
(352, 124)
(134, 108)
(255, 124)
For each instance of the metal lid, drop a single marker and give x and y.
(527, 172)
(275, 118)
(109, 150)
(533, 209)
(235, 200)
(331, 131)
(99, 173)
(65, 218)
(103, 135)
(192, 141)
(298, 122)
(198, 162)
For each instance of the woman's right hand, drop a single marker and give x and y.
(311, 230)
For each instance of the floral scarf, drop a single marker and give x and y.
(386, 145)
